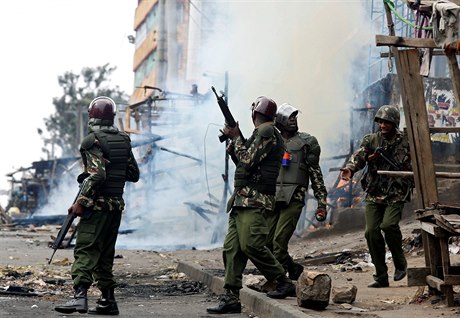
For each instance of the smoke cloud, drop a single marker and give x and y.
(312, 54)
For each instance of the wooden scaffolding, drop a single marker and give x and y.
(438, 222)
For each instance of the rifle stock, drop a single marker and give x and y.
(65, 227)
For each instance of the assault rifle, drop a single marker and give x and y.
(382, 153)
(65, 227)
(229, 120)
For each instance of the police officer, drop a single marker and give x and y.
(300, 165)
(387, 149)
(109, 162)
(258, 164)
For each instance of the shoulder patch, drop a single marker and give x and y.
(266, 131)
(88, 141)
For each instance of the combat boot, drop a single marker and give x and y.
(78, 303)
(229, 303)
(284, 288)
(294, 270)
(106, 304)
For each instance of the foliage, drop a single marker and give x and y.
(67, 126)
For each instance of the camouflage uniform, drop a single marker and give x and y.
(385, 198)
(247, 228)
(292, 186)
(97, 230)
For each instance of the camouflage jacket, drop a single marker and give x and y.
(312, 152)
(381, 188)
(250, 156)
(96, 171)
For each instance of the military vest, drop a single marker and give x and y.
(297, 170)
(116, 148)
(263, 177)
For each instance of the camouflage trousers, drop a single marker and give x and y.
(383, 218)
(95, 249)
(282, 225)
(246, 239)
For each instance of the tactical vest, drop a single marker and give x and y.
(115, 148)
(297, 171)
(263, 177)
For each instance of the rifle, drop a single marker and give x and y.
(229, 120)
(382, 153)
(65, 227)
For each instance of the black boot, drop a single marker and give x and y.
(284, 288)
(229, 303)
(106, 304)
(294, 270)
(78, 303)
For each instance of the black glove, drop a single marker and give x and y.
(82, 176)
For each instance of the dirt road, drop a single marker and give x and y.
(151, 286)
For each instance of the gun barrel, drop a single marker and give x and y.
(229, 119)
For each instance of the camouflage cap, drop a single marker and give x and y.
(389, 113)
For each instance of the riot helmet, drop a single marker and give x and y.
(103, 108)
(265, 106)
(389, 113)
(285, 111)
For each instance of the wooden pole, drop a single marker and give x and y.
(407, 174)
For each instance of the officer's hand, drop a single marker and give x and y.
(320, 214)
(346, 174)
(231, 148)
(231, 132)
(76, 209)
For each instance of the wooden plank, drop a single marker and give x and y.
(322, 259)
(435, 282)
(432, 229)
(452, 279)
(452, 219)
(444, 130)
(413, 99)
(425, 215)
(435, 52)
(432, 253)
(444, 245)
(440, 174)
(399, 41)
(442, 222)
(427, 5)
(417, 276)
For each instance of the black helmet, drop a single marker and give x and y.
(102, 107)
(388, 113)
(265, 106)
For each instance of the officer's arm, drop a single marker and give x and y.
(257, 151)
(359, 158)
(132, 170)
(95, 167)
(314, 171)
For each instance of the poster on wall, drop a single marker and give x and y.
(442, 112)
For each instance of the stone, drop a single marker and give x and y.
(313, 290)
(344, 294)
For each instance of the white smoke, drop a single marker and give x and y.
(312, 54)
